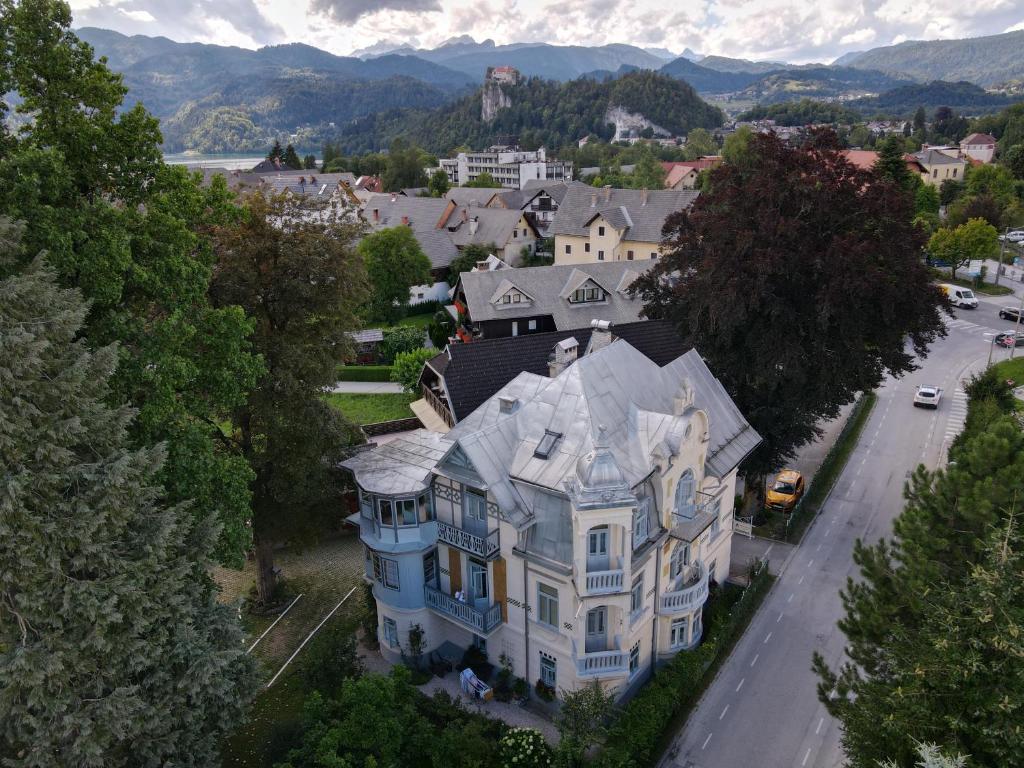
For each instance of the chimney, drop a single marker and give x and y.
(405, 221)
(376, 214)
(394, 196)
(563, 356)
(593, 199)
(600, 336)
(643, 196)
(474, 224)
(312, 179)
(607, 192)
(508, 404)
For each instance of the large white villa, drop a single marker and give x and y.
(572, 522)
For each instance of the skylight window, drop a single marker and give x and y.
(547, 444)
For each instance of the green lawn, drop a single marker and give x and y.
(417, 321)
(989, 289)
(371, 409)
(1013, 369)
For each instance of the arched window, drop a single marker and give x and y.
(684, 495)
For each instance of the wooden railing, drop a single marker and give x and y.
(484, 546)
(465, 613)
(439, 405)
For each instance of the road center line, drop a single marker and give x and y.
(767, 638)
(741, 684)
(705, 745)
(801, 580)
(780, 618)
(756, 657)
(810, 563)
(808, 754)
(822, 720)
(789, 599)
(723, 712)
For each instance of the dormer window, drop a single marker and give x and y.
(583, 295)
(547, 444)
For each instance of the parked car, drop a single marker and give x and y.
(1016, 236)
(1010, 313)
(785, 491)
(961, 297)
(927, 397)
(1008, 340)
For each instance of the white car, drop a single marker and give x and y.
(927, 397)
(1016, 236)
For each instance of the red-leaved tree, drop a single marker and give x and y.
(799, 278)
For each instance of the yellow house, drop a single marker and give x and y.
(599, 225)
(937, 166)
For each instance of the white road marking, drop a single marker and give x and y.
(810, 563)
(705, 744)
(817, 548)
(801, 580)
(723, 712)
(756, 657)
(741, 684)
(780, 618)
(808, 754)
(816, 730)
(767, 638)
(790, 598)
(827, 532)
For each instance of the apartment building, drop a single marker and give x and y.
(572, 522)
(606, 224)
(510, 167)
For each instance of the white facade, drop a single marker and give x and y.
(579, 549)
(511, 168)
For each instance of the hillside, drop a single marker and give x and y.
(819, 83)
(726, 64)
(803, 112)
(542, 112)
(255, 96)
(985, 61)
(707, 80)
(962, 97)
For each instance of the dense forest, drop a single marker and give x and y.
(803, 112)
(543, 112)
(904, 101)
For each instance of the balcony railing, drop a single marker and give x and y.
(601, 663)
(483, 546)
(603, 582)
(479, 621)
(438, 404)
(690, 597)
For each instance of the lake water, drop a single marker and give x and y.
(231, 162)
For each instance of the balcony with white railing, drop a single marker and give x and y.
(600, 663)
(466, 614)
(603, 582)
(482, 546)
(688, 596)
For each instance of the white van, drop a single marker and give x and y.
(961, 297)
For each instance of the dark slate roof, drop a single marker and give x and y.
(476, 371)
(582, 202)
(555, 189)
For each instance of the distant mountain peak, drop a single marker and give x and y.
(464, 40)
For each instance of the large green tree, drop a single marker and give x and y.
(405, 167)
(113, 648)
(291, 264)
(394, 262)
(799, 296)
(699, 143)
(975, 240)
(934, 621)
(891, 165)
(126, 229)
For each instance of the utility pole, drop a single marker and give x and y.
(1002, 250)
(1016, 326)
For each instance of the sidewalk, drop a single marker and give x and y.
(366, 387)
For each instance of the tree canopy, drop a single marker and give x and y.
(974, 240)
(113, 648)
(799, 296)
(394, 263)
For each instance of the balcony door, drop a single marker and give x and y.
(597, 630)
(597, 549)
(479, 594)
(474, 514)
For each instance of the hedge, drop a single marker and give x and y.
(364, 373)
(647, 722)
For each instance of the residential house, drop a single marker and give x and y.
(684, 174)
(979, 146)
(516, 302)
(865, 159)
(457, 381)
(936, 166)
(476, 196)
(323, 186)
(572, 524)
(539, 200)
(510, 167)
(606, 224)
(509, 233)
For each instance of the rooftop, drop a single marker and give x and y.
(647, 209)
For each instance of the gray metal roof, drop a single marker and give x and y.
(470, 195)
(545, 284)
(307, 183)
(493, 225)
(400, 466)
(645, 219)
(422, 214)
(935, 157)
(368, 336)
(555, 189)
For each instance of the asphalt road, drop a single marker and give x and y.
(762, 710)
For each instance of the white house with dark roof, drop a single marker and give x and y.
(595, 225)
(978, 146)
(572, 522)
(515, 302)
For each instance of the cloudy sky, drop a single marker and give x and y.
(790, 30)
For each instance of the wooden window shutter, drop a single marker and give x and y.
(500, 588)
(455, 569)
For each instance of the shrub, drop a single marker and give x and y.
(331, 659)
(544, 691)
(404, 338)
(368, 618)
(409, 365)
(524, 748)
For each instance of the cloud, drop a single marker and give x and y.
(861, 36)
(145, 16)
(353, 10)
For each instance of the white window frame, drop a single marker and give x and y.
(677, 631)
(636, 596)
(389, 628)
(548, 670)
(547, 605)
(680, 559)
(634, 659)
(385, 572)
(685, 496)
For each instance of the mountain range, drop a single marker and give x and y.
(302, 93)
